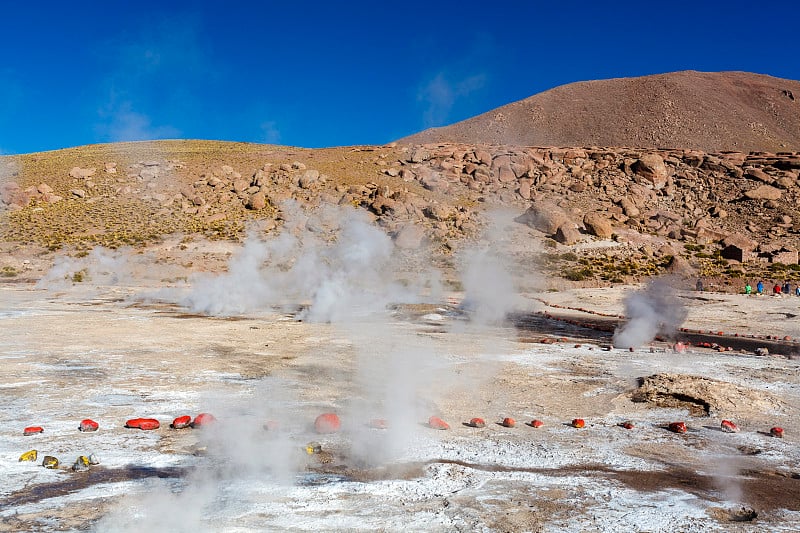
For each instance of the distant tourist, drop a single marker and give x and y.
(760, 287)
(699, 285)
(748, 289)
(787, 289)
(776, 290)
(797, 291)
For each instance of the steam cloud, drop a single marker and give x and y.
(335, 262)
(652, 311)
(341, 269)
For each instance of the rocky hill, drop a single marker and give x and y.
(708, 111)
(583, 215)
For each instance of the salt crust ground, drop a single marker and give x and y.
(65, 358)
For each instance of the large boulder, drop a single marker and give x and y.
(543, 216)
(82, 173)
(308, 178)
(567, 234)
(597, 224)
(257, 201)
(652, 168)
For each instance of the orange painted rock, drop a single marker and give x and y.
(578, 423)
(537, 423)
(146, 424)
(203, 419)
(181, 422)
(627, 424)
(327, 423)
(477, 423)
(508, 422)
(677, 427)
(32, 430)
(88, 425)
(435, 422)
(729, 427)
(378, 423)
(776, 432)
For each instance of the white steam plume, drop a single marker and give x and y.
(101, 266)
(490, 291)
(652, 311)
(240, 453)
(335, 261)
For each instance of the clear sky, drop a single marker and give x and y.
(318, 74)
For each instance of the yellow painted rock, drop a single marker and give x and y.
(50, 462)
(29, 456)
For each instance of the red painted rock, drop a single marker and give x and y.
(379, 423)
(677, 427)
(578, 423)
(508, 422)
(729, 427)
(477, 423)
(88, 425)
(149, 424)
(776, 432)
(435, 422)
(203, 419)
(327, 423)
(627, 424)
(32, 430)
(537, 423)
(146, 424)
(181, 422)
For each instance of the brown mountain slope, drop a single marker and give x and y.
(709, 111)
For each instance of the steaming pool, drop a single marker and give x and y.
(110, 357)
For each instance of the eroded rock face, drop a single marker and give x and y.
(702, 396)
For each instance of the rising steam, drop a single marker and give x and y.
(652, 311)
(334, 261)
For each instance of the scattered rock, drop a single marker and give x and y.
(763, 192)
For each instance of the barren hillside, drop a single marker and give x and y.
(708, 111)
(588, 216)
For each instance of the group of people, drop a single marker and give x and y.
(777, 289)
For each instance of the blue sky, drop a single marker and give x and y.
(318, 74)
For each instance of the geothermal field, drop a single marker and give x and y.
(325, 316)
